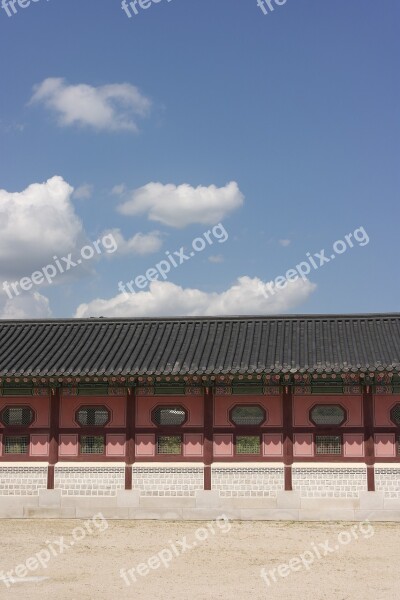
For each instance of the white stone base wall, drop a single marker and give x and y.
(93, 480)
(244, 491)
(387, 480)
(329, 482)
(168, 481)
(246, 481)
(203, 506)
(22, 480)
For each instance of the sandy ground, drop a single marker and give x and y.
(226, 565)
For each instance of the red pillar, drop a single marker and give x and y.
(369, 445)
(287, 407)
(130, 436)
(208, 435)
(55, 395)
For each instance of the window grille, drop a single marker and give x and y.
(169, 444)
(95, 416)
(395, 414)
(92, 444)
(325, 414)
(17, 415)
(247, 444)
(247, 415)
(328, 444)
(16, 444)
(169, 415)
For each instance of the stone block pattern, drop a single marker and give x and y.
(89, 481)
(329, 483)
(22, 481)
(248, 482)
(387, 480)
(168, 481)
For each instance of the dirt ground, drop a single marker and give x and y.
(204, 560)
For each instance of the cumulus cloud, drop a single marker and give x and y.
(118, 189)
(284, 243)
(163, 298)
(27, 306)
(112, 107)
(39, 225)
(182, 205)
(36, 224)
(83, 192)
(140, 243)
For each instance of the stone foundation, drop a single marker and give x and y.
(168, 480)
(204, 506)
(247, 481)
(329, 481)
(387, 481)
(243, 491)
(22, 480)
(89, 480)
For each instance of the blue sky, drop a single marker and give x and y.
(299, 107)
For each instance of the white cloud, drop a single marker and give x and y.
(182, 205)
(246, 296)
(27, 306)
(216, 258)
(118, 190)
(35, 225)
(140, 243)
(285, 243)
(38, 226)
(83, 192)
(113, 107)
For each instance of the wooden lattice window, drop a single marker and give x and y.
(248, 444)
(16, 444)
(169, 416)
(92, 416)
(242, 414)
(17, 416)
(395, 414)
(169, 444)
(92, 444)
(328, 444)
(328, 414)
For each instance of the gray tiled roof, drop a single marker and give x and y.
(197, 345)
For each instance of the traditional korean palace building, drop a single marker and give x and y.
(289, 417)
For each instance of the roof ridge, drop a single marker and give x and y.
(277, 317)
